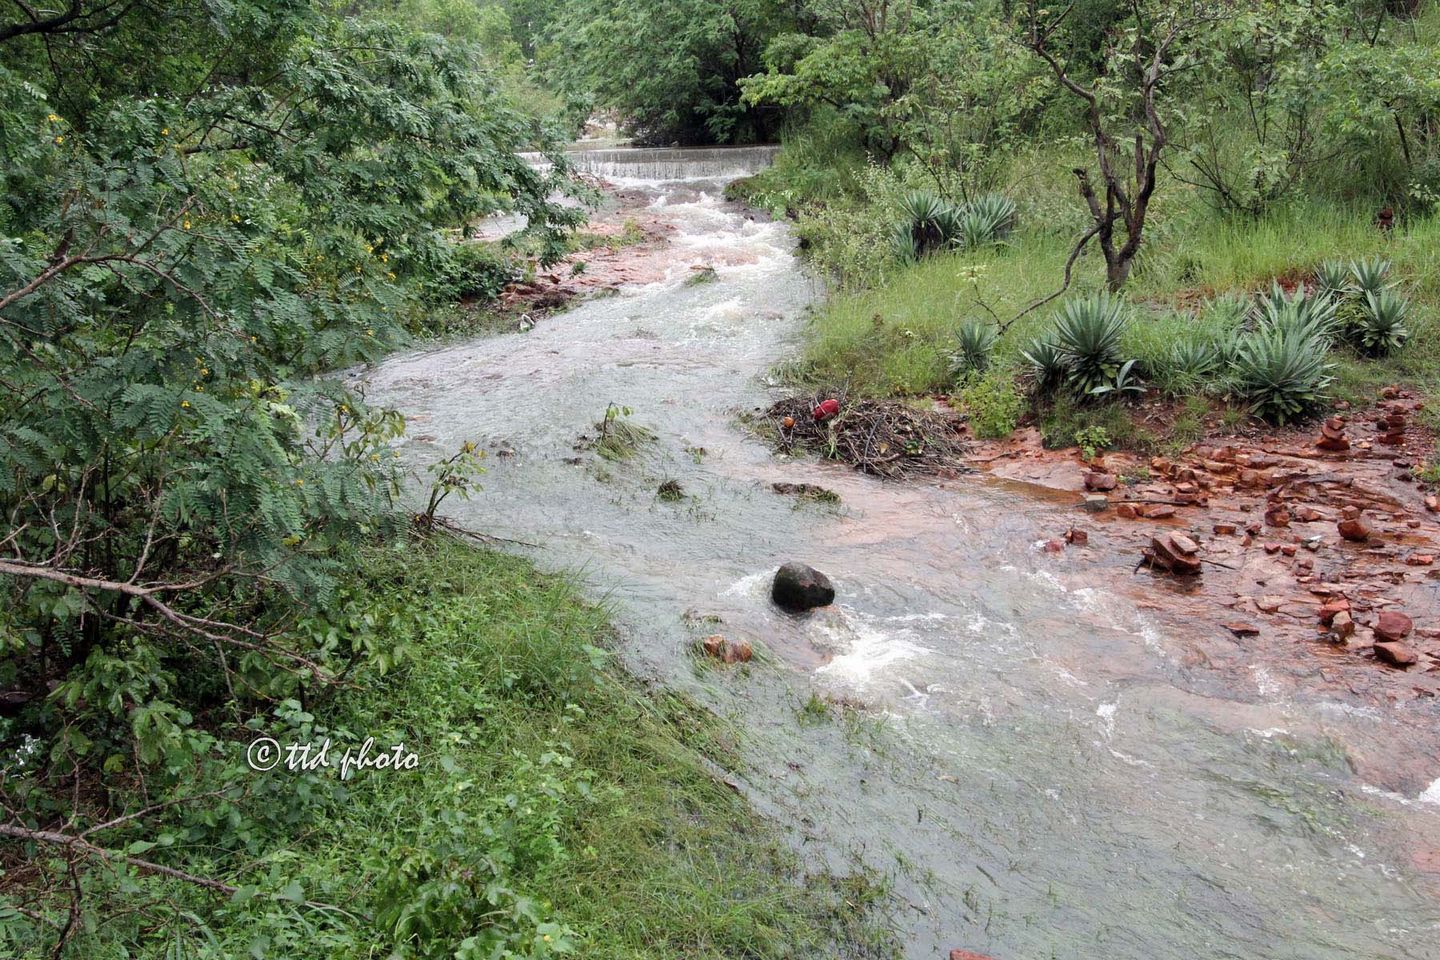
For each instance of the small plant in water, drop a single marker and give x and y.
(619, 438)
(453, 475)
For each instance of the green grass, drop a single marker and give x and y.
(896, 336)
(555, 803)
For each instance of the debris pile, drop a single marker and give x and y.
(887, 438)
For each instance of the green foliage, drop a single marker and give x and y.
(1047, 364)
(929, 223)
(1299, 314)
(670, 67)
(1127, 383)
(1087, 334)
(210, 208)
(1370, 275)
(975, 342)
(1282, 372)
(1092, 440)
(1381, 322)
(993, 403)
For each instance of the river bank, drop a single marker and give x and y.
(1022, 750)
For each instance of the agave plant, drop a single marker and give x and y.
(1088, 333)
(1127, 382)
(1228, 310)
(1380, 324)
(1332, 278)
(1281, 372)
(1047, 364)
(927, 220)
(975, 341)
(1370, 275)
(995, 212)
(1309, 317)
(1187, 365)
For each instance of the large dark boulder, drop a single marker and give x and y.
(798, 587)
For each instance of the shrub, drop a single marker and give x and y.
(1046, 365)
(1126, 383)
(1187, 365)
(1370, 275)
(927, 224)
(1282, 373)
(1308, 317)
(1091, 440)
(1332, 278)
(1087, 334)
(975, 342)
(1380, 322)
(994, 404)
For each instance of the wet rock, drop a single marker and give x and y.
(1269, 604)
(1174, 552)
(1095, 503)
(1343, 626)
(798, 587)
(1289, 549)
(1159, 511)
(1241, 629)
(1332, 609)
(1311, 543)
(1127, 511)
(727, 651)
(1352, 526)
(1277, 516)
(1332, 435)
(1077, 537)
(1225, 529)
(1053, 546)
(1420, 559)
(1099, 481)
(1272, 548)
(958, 954)
(1393, 625)
(1395, 653)
(1432, 503)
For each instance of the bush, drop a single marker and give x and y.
(1046, 365)
(975, 342)
(929, 223)
(1282, 373)
(1087, 335)
(994, 404)
(1308, 317)
(1380, 322)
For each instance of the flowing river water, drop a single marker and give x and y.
(1028, 754)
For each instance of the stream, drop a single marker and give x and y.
(1024, 751)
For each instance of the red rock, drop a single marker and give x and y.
(714, 645)
(1277, 517)
(1165, 553)
(1330, 610)
(1420, 559)
(1432, 503)
(1126, 511)
(1343, 625)
(1393, 625)
(1272, 548)
(1354, 529)
(1253, 528)
(1269, 604)
(967, 955)
(1224, 529)
(1251, 478)
(1289, 549)
(1100, 482)
(1395, 653)
(1159, 511)
(1308, 514)
(738, 651)
(1242, 629)
(1389, 393)
(1077, 537)
(1184, 544)
(1054, 546)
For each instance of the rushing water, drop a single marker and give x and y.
(1032, 758)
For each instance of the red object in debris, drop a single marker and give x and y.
(827, 409)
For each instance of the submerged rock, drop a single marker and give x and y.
(799, 587)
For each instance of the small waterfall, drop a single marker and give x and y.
(670, 163)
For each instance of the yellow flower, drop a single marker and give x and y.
(370, 332)
(59, 140)
(165, 132)
(300, 483)
(53, 119)
(185, 404)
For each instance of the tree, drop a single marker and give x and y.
(1124, 112)
(208, 208)
(671, 69)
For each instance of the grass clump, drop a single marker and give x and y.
(993, 403)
